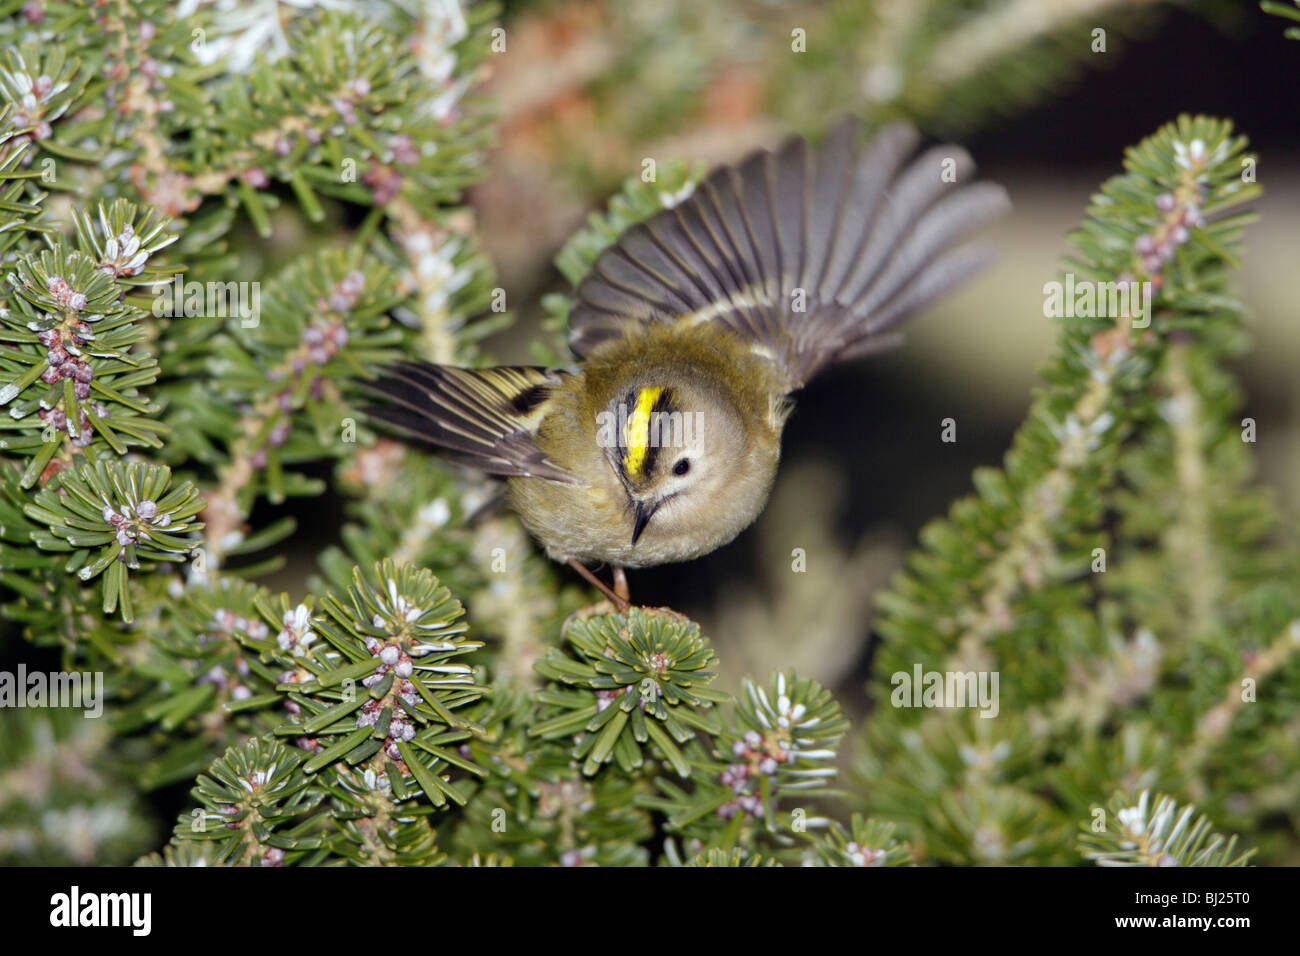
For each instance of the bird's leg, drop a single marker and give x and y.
(621, 603)
(620, 585)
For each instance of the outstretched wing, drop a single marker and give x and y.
(815, 256)
(487, 418)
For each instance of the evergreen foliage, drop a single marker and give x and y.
(1119, 573)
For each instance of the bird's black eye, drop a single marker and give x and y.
(682, 467)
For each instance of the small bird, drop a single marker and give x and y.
(691, 332)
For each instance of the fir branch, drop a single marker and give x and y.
(280, 376)
(865, 843)
(398, 640)
(1212, 726)
(202, 689)
(753, 787)
(244, 798)
(75, 363)
(1010, 564)
(412, 508)
(41, 89)
(640, 679)
(247, 397)
(1165, 835)
(113, 516)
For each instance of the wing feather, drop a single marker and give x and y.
(487, 418)
(812, 255)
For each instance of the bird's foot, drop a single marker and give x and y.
(618, 596)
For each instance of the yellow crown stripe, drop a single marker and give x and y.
(636, 433)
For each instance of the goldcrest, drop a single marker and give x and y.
(692, 331)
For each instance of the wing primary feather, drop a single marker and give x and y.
(726, 267)
(695, 272)
(937, 279)
(870, 238)
(947, 221)
(487, 418)
(733, 223)
(791, 205)
(915, 189)
(868, 178)
(643, 251)
(833, 178)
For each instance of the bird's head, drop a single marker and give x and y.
(679, 448)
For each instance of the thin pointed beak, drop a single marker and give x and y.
(644, 512)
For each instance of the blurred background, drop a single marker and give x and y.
(591, 88)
